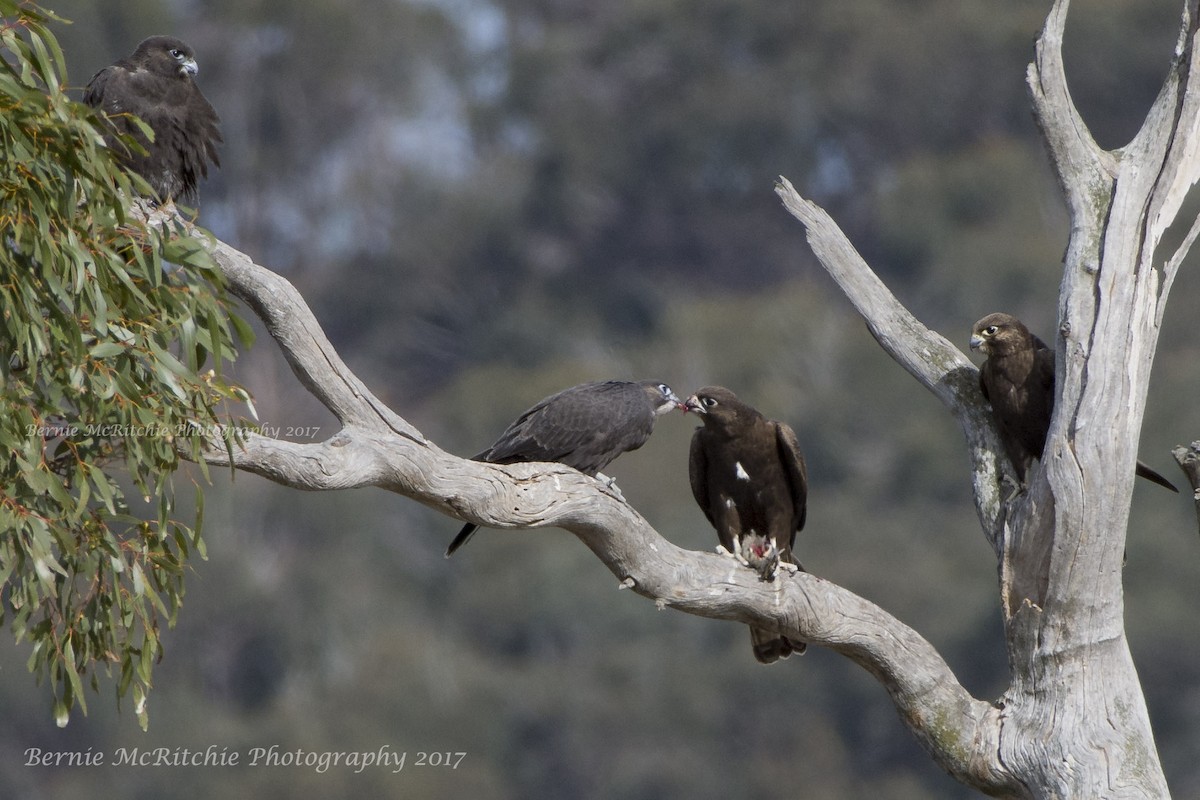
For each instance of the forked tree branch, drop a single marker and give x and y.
(1070, 142)
(376, 447)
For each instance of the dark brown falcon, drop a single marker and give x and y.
(749, 479)
(584, 427)
(156, 84)
(1018, 380)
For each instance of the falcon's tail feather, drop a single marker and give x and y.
(466, 533)
(769, 646)
(1144, 471)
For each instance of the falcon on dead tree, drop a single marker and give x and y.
(749, 479)
(585, 427)
(1018, 380)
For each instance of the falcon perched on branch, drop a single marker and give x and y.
(585, 427)
(1018, 380)
(749, 479)
(156, 85)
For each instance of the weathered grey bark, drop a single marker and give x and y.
(1073, 722)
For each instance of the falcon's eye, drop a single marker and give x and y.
(708, 401)
(176, 54)
(666, 390)
(990, 330)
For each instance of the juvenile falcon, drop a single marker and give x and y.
(156, 84)
(585, 427)
(1018, 380)
(749, 479)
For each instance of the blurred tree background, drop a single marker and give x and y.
(486, 202)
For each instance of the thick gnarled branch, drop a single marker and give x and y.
(376, 447)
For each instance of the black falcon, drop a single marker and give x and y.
(1018, 380)
(156, 84)
(585, 427)
(749, 479)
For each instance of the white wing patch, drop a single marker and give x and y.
(741, 473)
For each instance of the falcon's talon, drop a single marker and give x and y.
(611, 483)
(1015, 488)
(737, 552)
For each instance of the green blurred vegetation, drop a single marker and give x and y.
(488, 202)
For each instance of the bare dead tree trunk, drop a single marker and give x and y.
(1073, 722)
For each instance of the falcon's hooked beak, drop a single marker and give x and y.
(978, 342)
(189, 66)
(694, 405)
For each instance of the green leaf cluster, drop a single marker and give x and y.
(106, 324)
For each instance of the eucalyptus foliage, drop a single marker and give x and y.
(111, 344)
